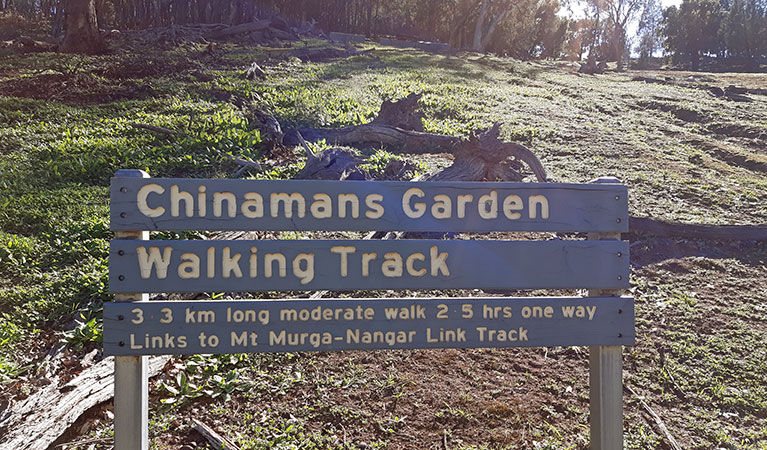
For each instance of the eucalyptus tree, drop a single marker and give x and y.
(692, 30)
(744, 31)
(649, 31)
(81, 28)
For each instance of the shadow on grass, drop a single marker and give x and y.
(653, 250)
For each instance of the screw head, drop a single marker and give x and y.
(619, 277)
(121, 344)
(123, 189)
(620, 311)
(617, 197)
(620, 335)
(121, 278)
(122, 252)
(121, 317)
(617, 221)
(123, 215)
(620, 254)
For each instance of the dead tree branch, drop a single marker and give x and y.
(216, 440)
(36, 423)
(482, 157)
(657, 420)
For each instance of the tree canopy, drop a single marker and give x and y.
(729, 32)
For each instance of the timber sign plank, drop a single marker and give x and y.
(192, 204)
(134, 326)
(239, 326)
(282, 265)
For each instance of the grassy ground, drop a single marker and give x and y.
(687, 155)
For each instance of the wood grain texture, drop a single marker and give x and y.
(556, 264)
(342, 324)
(36, 423)
(216, 440)
(572, 207)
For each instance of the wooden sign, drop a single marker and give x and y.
(190, 327)
(134, 326)
(190, 204)
(270, 265)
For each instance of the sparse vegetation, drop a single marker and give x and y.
(700, 359)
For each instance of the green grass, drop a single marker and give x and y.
(59, 147)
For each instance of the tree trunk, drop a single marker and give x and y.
(620, 48)
(491, 29)
(477, 43)
(81, 29)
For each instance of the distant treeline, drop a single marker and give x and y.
(729, 31)
(732, 30)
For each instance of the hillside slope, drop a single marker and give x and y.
(687, 152)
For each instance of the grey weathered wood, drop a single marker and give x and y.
(216, 440)
(572, 207)
(131, 387)
(606, 397)
(606, 369)
(611, 323)
(484, 151)
(483, 264)
(402, 113)
(38, 421)
(242, 28)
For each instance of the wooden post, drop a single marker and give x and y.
(131, 381)
(606, 374)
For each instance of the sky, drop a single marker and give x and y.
(578, 8)
(667, 3)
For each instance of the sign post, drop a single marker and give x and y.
(606, 371)
(135, 327)
(131, 382)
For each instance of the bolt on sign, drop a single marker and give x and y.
(134, 327)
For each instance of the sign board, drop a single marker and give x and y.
(280, 265)
(135, 327)
(243, 326)
(194, 204)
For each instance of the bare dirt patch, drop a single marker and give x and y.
(680, 112)
(80, 87)
(751, 161)
(738, 130)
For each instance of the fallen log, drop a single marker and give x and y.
(243, 28)
(482, 157)
(649, 80)
(244, 164)
(25, 44)
(413, 142)
(282, 35)
(646, 225)
(216, 440)
(403, 113)
(271, 132)
(36, 423)
(254, 71)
